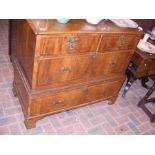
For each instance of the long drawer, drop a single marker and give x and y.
(61, 71)
(51, 103)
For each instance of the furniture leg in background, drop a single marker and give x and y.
(142, 103)
(130, 79)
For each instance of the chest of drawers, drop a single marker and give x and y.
(68, 65)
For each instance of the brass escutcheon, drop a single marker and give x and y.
(121, 41)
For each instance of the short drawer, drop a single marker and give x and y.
(118, 42)
(66, 44)
(73, 98)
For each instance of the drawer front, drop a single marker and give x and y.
(66, 44)
(143, 69)
(74, 69)
(73, 98)
(151, 67)
(118, 42)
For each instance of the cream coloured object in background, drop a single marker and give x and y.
(146, 46)
(93, 21)
(125, 23)
(146, 37)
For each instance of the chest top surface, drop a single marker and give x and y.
(77, 26)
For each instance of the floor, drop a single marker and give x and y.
(123, 118)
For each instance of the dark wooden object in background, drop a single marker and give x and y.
(68, 65)
(142, 103)
(12, 37)
(142, 66)
(146, 24)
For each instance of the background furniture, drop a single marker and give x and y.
(142, 103)
(68, 65)
(141, 66)
(146, 24)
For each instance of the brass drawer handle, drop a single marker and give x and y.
(73, 40)
(105, 92)
(145, 65)
(121, 41)
(65, 69)
(72, 43)
(57, 102)
(113, 63)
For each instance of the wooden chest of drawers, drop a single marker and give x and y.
(68, 65)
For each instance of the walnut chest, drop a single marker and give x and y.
(68, 65)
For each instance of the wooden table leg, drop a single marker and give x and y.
(143, 82)
(145, 100)
(130, 79)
